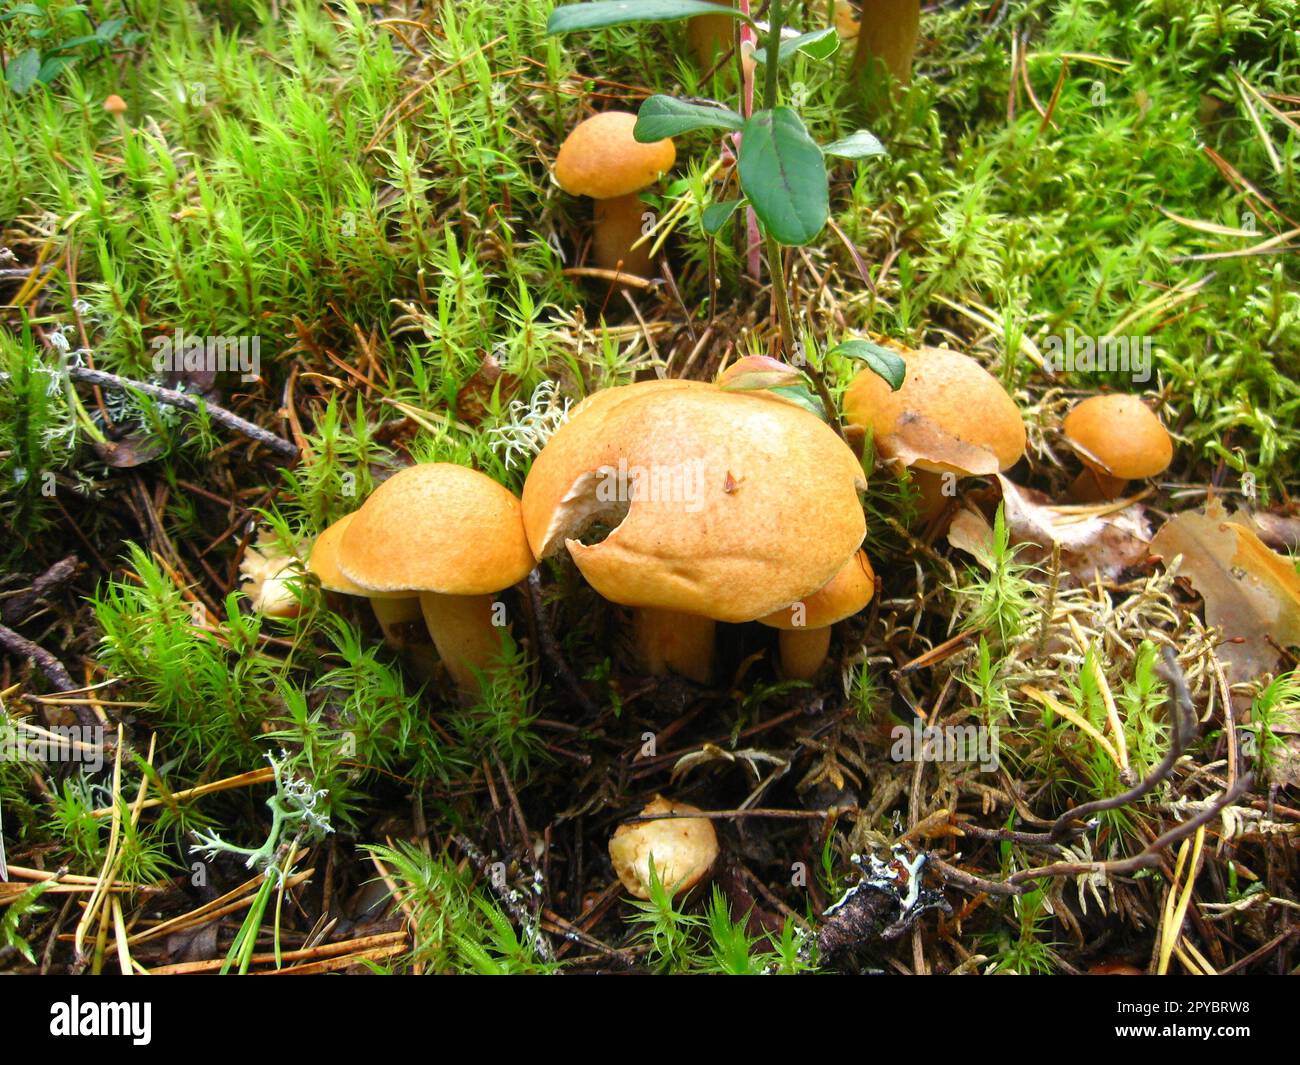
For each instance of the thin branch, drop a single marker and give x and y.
(49, 665)
(172, 398)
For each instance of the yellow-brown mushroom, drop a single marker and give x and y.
(602, 159)
(454, 538)
(950, 419)
(1119, 439)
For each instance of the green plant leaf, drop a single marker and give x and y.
(783, 175)
(881, 361)
(109, 28)
(21, 72)
(665, 116)
(602, 13)
(53, 66)
(856, 145)
(715, 216)
(803, 396)
(819, 44)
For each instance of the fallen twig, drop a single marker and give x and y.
(172, 398)
(49, 665)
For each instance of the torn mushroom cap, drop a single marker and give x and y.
(683, 847)
(723, 505)
(950, 416)
(1120, 436)
(602, 159)
(849, 591)
(436, 527)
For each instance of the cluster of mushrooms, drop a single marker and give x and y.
(689, 502)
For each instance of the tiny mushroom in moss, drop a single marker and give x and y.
(719, 506)
(1119, 439)
(602, 159)
(683, 848)
(395, 611)
(452, 536)
(951, 419)
(805, 636)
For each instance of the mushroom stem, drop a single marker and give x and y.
(933, 500)
(1093, 486)
(393, 615)
(668, 641)
(462, 630)
(803, 651)
(618, 224)
(888, 33)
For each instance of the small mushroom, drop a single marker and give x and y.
(709, 37)
(951, 419)
(394, 611)
(602, 159)
(887, 34)
(683, 848)
(268, 575)
(805, 626)
(1119, 439)
(455, 537)
(718, 506)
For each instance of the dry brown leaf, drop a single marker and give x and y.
(1092, 544)
(970, 531)
(1277, 530)
(1251, 594)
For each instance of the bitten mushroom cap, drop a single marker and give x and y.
(1121, 433)
(602, 159)
(721, 504)
(683, 847)
(323, 564)
(436, 527)
(951, 415)
(849, 591)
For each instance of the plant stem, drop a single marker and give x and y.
(773, 53)
(776, 268)
(775, 261)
